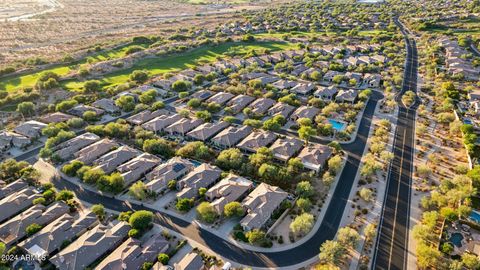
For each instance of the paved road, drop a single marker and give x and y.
(299, 254)
(392, 242)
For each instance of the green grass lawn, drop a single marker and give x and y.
(160, 65)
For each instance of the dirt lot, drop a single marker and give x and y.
(31, 28)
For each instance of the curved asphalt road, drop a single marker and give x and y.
(296, 255)
(392, 242)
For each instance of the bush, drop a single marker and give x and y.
(141, 220)
(163, 258)
(33, 228)
(99, 210)
(64, 195)
(184, 205)
(72, 168)
(206, 212)
(134, 233)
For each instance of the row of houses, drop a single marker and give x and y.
(455, 62)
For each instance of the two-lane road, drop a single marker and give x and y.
(392, 242)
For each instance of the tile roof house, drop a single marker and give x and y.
(326, 93)
(9, 139)
(191, 261)
(12, 187)
(16, 202)
(107, 105)
(305, 112)
(15, 229)
(257, 139)
(372, 80)
(137, 167)
(163, 84)
(202, 176)
(229, 189)
(261, 105)
(132, 254)
(220, 98)
(349, 95)
(314, 156)
(330, 75)
(284, 84)
(69, 148)
(80, 109)
(261, 204)
(110, 161)
(30, 129)
(56, 117)
(282, 109)
(158, 124)
(90, 246)
(207, 130)
(173, 169)
(182, 126)
(51, 238)
(268, 79)
(285, 148)
(303, 89)
(95, 150)
(145, 116)
(202, 94)
(230, 136)
(239, 102)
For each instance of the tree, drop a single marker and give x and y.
(183, 205)
(158, 105)
(158, 147)
(139, 76)
(331, 252)
(181, 85)
(93, 175)
(428, 256)
(328, 178)
(230, 159)
(302, 224)
(163, 258)
(194, 103)
(138, 190)
(33, 228)
(204, 115)
(366, 194)
(126, 103)
(26, 108)
(64, 195)
(304, 204)
(256, 237)
(90, 116)
(196, 150)
(65, 105)
(348, 237)
(71, 168)
(206, 212)
(92, 86)
(304, 189)
(233, 209)
(99, 211)
(148, 97)
(172, 184)
(470, 261)
(11, 169)
(334, 164)
(306, 132)
(370, 231)
(141, 220)
(124, 216)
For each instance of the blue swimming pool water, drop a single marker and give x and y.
(456, 239)
(195, 163)
(337, 125)
(475, 216)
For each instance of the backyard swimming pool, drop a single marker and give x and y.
(475, 216)
(456, 239)
(337, 125)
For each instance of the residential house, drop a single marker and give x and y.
(354, 76)
(261, 105)
(110, 161)
(203, 176)
(260, 204)
(304, 112)
(372, 80)
(92, 152)
(238, 103)
(9, 139)
(107, 105)
(268, 79)
(191, 261)
(326, 93)
(69, 148)
(158, 124)
(31, 129)
(314, 156)
(145, 116)
(183, 126)
(474, 95)
(202, 95)
(132, 254)
(299, 69)
(80, 109)
(282, 109)
(285, 148)
(230, 136)
(90, 246)
(12, 187)
(303, 89)
(16, 202)
(349, 96)
(174, 169)
(229, 189)
(137, 167)
(56, 117)
(284, 84)
(15, 228)
(53, 236)
(163, 84)
(207, 130)
(330, 75)
(220, 98)
(257, 139)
